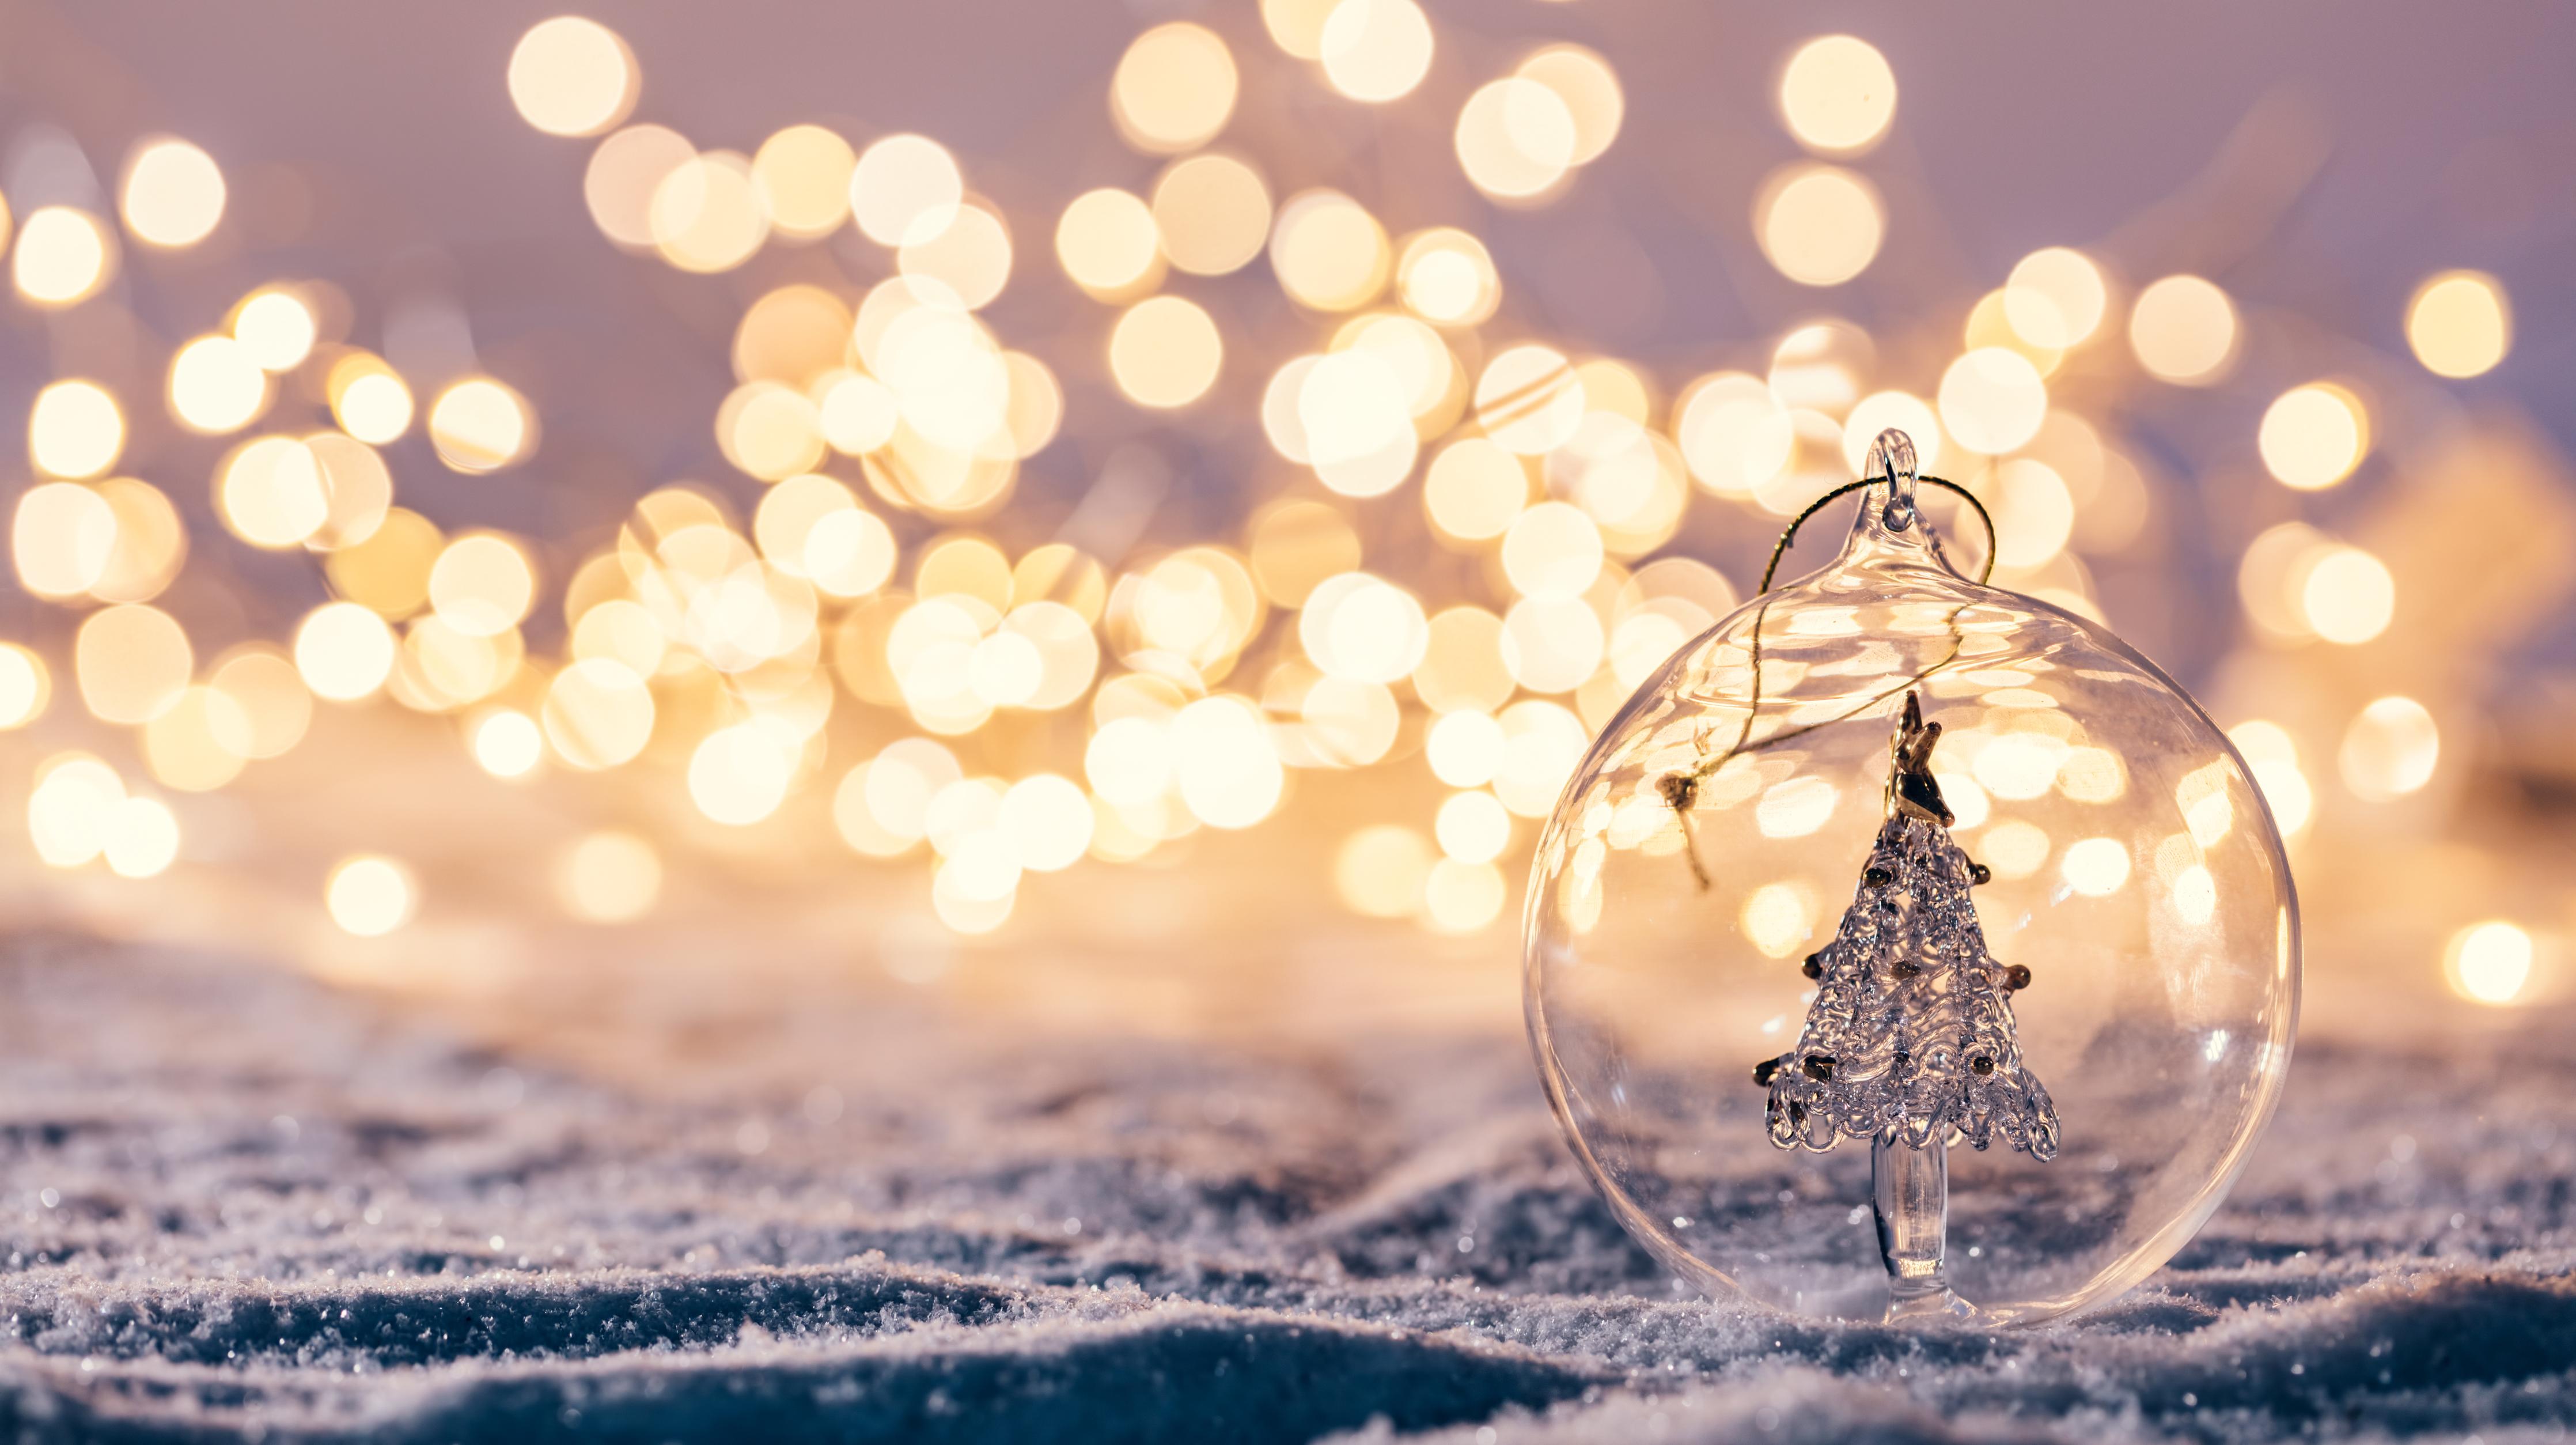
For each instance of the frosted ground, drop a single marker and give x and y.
(240, 1205)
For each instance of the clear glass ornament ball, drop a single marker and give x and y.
(2133, 870)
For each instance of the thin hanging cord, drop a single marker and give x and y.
(1681, 790)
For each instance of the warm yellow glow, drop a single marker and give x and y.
(1992, 400)
(803, 176)
(1297, 544)
(2016, 849)
(740, 774)
(2273, 757)
(1838, 94)
(1733, 433)
(1543, 742)
(368, 400)
(2054, 298)
(1327, 251)
(1474, 490)
(192, 744)
(1461, 897)
(1357, 429)
(1796, 808)
(905, 187)
(1165, 352)
(62, 257)
(1880, 410)
(268, 705)
(1819, 225)
(1379, 870)
(2489, 963)
(216, 386)
(1048, 821)
(2314, 435)
(608, 877)
(1590, 90)
(1108, 243)
(480, 425)
(1448, 278)
(1173, 89)
(75, 429)
(706, 213)
(72, 809)
(1465, 748)
(1553, 551)
(2390, 750)
(1529, 399)
(573, 77)
(61, 539)
(770, 431)
(2183, 330)
(25, 686)
(507, 743)
(151, 542)
(2095, 867)
(971, 255)
(371, 895)
(1363, 629)
(2460, 324)
(1375, 50)
(1777, 919)
(2033, 511)
(597, 713)
(344, 651)
(142, 838)
(272, 493)
(1297, 26)
(2348, 595)
(1473, 827)
(1213, 213)
(133, 662)
(482, 584)
(174, 193)
(1515, 138)
(389, 570)
(625, 174)
(275, 328)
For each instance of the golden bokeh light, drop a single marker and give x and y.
(173, 194)
(625, 173)
(141, 838)
(572, 76)
(1529, 399)
(609, 876)
(905, 188)
(388, 571)
(2346, 595)
(1461, 897)
(371, 895)
(2313, 436)
(803, 176)
(75, 430)
(1880, 410)
(1212, 212)
(1474, 489)
(1174, 88)
(1818, 225)
(480, 425)
(706, 213)
(268, 706)
(133, 662)
(343, 651)
(506, 743)
(1328, 252)
(2459, 324)
(1733, 433)
(1165, 352)
(1109, 244)
(271, 493)
(971, 255)
(276, 328)
(26, 686)
(1515, 139)
(1992, 400)
(2055, 298)
(1379, 871)
(1590, 90)
(216, 386)
(1297, 26)
(192, 744)
(63, 257)
(1462, 662)
(2183, 330)
(2489, 963)
(1375, 50)
(61, 538)
(1838, 95)
(72, 809)
(1552, 550)
(598, 714)
(368, 399)
(2391, 749)
(1446, 277)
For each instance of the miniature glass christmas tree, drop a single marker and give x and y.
(1910, 1042)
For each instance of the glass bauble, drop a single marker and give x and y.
(2102, 835)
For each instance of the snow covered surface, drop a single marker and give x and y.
(239, 1204)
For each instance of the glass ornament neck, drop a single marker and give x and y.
(1891, 528)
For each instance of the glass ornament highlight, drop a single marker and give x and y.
(1844, 881)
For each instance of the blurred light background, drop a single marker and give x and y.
(1126, 514)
